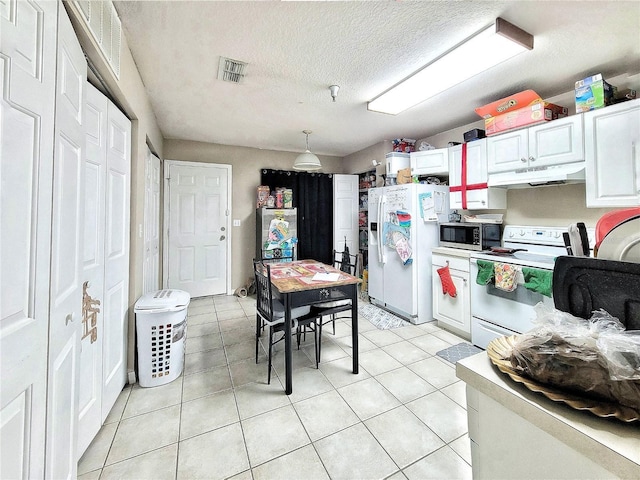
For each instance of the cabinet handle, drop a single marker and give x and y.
(69, 318)
(523, 160)
(531, 159)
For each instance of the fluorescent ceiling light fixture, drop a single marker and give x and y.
(307, 160)
(484, 50)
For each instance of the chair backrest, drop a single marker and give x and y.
(345, 262)
(264, 297)
(279, 254)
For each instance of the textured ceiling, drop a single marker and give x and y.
(296, 50)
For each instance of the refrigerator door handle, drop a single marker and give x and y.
(381, 205)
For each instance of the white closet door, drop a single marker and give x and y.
(90, 396)
(345, 212)
(151, 271)
(27, 89)
(66, 256)
(116, 275)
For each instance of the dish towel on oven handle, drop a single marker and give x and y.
(536, 280)
(485, 272)
(506, 276)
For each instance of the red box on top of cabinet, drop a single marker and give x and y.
(537, 112)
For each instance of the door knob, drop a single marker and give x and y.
(532, 159)
(222, 237)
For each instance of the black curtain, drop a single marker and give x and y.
(313, 197)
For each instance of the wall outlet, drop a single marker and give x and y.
(236, 222)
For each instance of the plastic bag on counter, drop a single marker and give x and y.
(595, 357)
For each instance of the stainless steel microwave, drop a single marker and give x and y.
(470, 236)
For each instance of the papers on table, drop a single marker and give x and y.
(326, 277)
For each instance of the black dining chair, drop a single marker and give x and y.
(270, 312)
(349, 264)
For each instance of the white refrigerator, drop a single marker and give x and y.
(403, 228)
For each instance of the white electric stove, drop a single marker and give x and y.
(494, 312)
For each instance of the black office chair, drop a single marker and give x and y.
(278, 254)
(270, 312)
(349, 264)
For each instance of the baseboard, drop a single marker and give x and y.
(131, 377)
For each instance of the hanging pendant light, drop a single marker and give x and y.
(307, 160)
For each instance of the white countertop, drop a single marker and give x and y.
(453, 252)
(615, 444)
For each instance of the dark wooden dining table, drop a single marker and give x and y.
(295, 285)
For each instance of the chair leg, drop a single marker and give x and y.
(258, 321)
(333, 321)
(319, 343)
(270, 349)
(316, 339)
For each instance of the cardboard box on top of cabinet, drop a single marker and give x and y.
(507, 104)
(518, 110)
(538, 112)
(593, 92)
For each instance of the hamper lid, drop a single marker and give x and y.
(168, 299)
(582, 285)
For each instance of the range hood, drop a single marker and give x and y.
(539, 176)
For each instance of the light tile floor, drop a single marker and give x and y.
(403, 417)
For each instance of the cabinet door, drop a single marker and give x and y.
(455, 176)
(556, 142)
(430, 162)
(612, 138)
(508, 151)
(454, 312)
(477, 162)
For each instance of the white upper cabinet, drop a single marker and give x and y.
(552, 143)
(474, 187)
(612, 138)
(430, 162)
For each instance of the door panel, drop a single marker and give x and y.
(27, 89)
(345, 212)
(90, 398)
(116, 269)
(67, 251)
(198, 239)
(150, 279)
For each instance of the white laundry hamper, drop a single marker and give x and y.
(161, 327)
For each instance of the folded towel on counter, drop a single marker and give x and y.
(536, 280)
(506, 276)
(485, 272)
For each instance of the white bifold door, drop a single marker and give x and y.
(27, 90)
(151, 270)
(197, 199)
(105, 279)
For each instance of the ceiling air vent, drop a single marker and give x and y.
(231, 70)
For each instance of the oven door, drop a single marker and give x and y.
(495, 312)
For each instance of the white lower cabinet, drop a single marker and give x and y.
(452, 313)
(612, 153)
(501, 441)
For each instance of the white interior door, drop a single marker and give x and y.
(198, 252)
(151, 271)
(66, 256)
(90, 393)
(345, 212)
(116, 256)
(27, 90)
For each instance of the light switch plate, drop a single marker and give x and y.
(236, 222)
